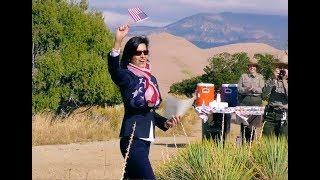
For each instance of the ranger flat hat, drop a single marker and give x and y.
(253, 61)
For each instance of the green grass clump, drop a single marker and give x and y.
(266, 158)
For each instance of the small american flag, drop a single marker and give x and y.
(137, 14)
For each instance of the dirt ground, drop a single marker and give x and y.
(100, 160)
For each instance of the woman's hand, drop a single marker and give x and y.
(172, 122)
(121, 32)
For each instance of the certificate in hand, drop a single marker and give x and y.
(177, 107)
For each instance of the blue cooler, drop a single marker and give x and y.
(229, 94)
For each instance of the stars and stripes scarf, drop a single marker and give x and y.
(151, 93)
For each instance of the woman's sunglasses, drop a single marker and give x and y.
(138, 53)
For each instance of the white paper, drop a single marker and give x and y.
(177, 107)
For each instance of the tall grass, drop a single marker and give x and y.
(271, 158)
(94, 124)
(267, 159)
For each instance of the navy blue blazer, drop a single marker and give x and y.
(135, 107)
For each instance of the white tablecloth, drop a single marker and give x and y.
(243, 112)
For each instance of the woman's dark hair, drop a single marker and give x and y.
(130, 49)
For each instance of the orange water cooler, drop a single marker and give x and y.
(204, 94)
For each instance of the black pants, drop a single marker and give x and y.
(138, 164)
(274, 123)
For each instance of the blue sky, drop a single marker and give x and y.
(164, 12)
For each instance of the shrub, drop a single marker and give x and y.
(267, 64)
(185, 87)
(222, 68)
(70, 46)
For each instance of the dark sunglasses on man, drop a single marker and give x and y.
(145, 52)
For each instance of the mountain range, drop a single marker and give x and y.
(207, 30)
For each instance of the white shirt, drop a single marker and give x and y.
(150, 138)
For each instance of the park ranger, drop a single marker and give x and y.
(250, 94)
(276, 112)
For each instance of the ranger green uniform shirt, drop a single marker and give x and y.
(250, 98)
(251, 80)
(277, 90)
